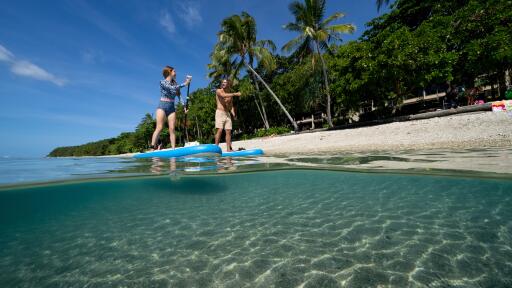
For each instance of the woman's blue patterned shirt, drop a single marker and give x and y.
(170, 91)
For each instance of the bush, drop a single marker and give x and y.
(263, 133)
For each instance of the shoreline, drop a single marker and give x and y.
(460, 131)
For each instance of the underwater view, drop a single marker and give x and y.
(266, 144)
(359, 220)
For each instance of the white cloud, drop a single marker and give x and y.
(187, 12)
(25, 68)
(28, 69)
(190, 13)
(5, 55)
(167, 22)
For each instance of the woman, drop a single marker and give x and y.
(169, 89)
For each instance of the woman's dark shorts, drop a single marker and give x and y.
(168, 107)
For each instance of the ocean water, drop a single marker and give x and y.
(302, 221)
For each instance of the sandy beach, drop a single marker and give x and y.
(470, 130)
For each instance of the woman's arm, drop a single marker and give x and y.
(171, 88)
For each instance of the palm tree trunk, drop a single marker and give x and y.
(295, 127)
(326, 82)
(259, 110)
(262, 112)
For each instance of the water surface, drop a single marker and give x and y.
(410, 219)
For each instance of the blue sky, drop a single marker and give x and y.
(77, 71)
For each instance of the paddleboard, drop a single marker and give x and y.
(205, 150)
(243, 153)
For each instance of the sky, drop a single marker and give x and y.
(76, 71)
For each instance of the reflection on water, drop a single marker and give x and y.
(470, 163)
(173, 166)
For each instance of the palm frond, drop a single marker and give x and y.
(295, 27)
(293, 44)
(248, 25)
(303, 50)
(341, 28)
(317, 11)
(297, 9)
(322, 36)
(269, 44)
(265, 58)
(333, 17)
(310, 32)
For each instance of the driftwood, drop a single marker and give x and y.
(311, 121)
(447, 112)
(440, 113)
(308, 121)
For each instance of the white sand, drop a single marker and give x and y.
(471, 130)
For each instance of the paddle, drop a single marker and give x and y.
(186, 107)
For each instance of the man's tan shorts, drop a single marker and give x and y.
(223, 120)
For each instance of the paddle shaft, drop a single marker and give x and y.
(186, 130)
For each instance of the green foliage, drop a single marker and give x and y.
(272, 131)
(128, 142)
(144, 132)
(201, 115)
(300, 87)
(423, 44)
(245, 87)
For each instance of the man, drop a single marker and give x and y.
(223, 114)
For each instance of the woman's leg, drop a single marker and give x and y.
(172, 121)
(160, 120)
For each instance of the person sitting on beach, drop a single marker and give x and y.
(169, 90)
(472, 95)
(451, 96)
(223, 118)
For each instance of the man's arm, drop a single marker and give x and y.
(223, 94)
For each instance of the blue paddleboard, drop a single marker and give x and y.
(198, 150)
(242, 153)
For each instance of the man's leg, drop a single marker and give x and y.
(228, 126)
(228, 140)
(218, 135)
(219, 124)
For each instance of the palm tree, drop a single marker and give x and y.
(316, 34)
(221, 67)
(237, 39)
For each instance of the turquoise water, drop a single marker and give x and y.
(272, 225)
